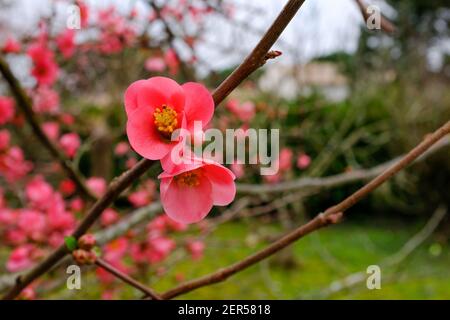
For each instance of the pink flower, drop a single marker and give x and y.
(171, 59)
(6, 109)
(175, 225)
(46, 100)
(157, 107)
(67, 119)
(77, 204)
(189, 191)
(11, 46)
(140, 198)
(84, 13)
(285, 159)
(70, 142)
(13, 165)
(28, 294)
(160, 247)
(109, 216)
(303, 161)
(67, 187)
(65, 42)
(121, 148)
(20, 258)
(245, 112)
(97, 185)
(15, 237)
(116, 249)
(157, 226)
(51, 129)
(45, 69)
(55, 239)
(33, 223)
(116, 33)
(8, 217)
(2, 198)
(138, 253)
(5, 139)
(155, 64)
(196, 249)
(130, 163)
(39, 192)
(107, 295)
(58, 217)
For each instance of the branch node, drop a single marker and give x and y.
(272, 54)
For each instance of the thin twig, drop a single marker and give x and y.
(331, 216)
(257, 57)
(24, 103)
(334, 180)
(127, 279)
(170, 36)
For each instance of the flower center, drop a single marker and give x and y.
(189, 179)
(165, 120)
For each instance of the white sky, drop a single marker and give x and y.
(321, 26)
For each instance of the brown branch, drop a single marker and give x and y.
(127, 279)
(385, 24)
(24, 103)
(334, 180)
(254, 60)
(330, 216)
(257, 57)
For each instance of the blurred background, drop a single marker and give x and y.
(347, 100)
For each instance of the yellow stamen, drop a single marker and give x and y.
(166, 120)
(189, 179)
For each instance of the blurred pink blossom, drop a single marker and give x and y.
(66, 43)
(45, 100)
(97, 185)
(155, 64)
(6, 109)
(11, 45)
(303, 161)
(51, 129)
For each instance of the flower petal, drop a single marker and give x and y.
(186, 204)
(144, 138)
(222, 183)
(199, 104)
(131, 95)
(158, 91)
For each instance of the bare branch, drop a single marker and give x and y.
(331, 216)
(386, 25)
(127, 279)
(335, 180)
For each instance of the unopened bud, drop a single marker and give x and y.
(84, 257)
(86, 242)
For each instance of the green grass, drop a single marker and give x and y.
(309, 267)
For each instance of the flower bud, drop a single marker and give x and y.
(86, 242)
(84, 257)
